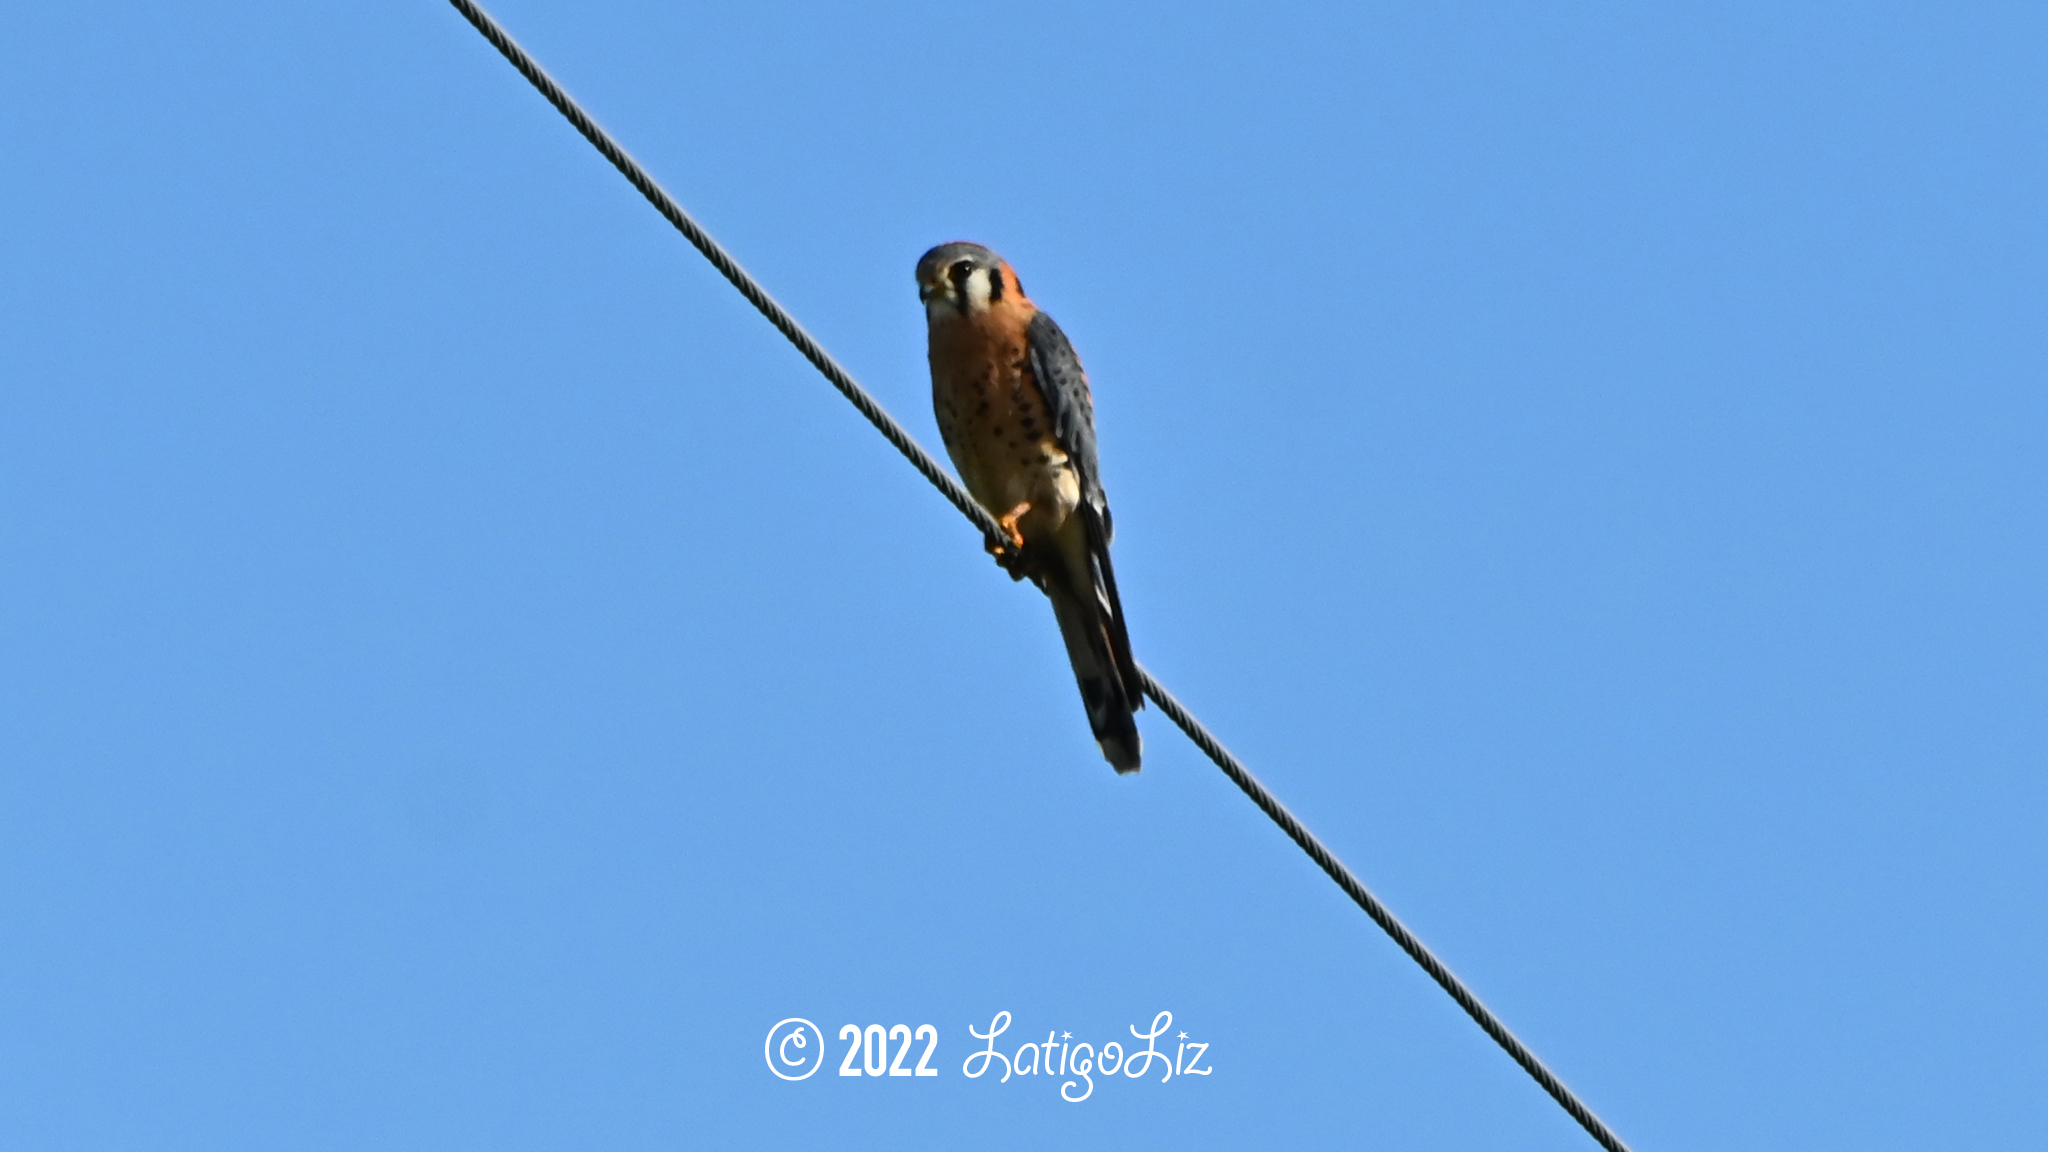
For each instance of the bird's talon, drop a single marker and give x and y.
(1007, 558)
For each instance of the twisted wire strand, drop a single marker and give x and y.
(729, 267)
(1388, 922)
(958, 495)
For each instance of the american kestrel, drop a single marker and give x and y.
(1013, 408)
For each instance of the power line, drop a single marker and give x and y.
(1356, 889)
(953, 491)
(730, 269)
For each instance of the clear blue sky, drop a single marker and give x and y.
(463, 677)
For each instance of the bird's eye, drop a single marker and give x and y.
(962, 269)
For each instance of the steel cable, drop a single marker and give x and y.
(1356, 889)
(954, 492)
(729, 268)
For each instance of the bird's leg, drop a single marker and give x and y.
(1009, 553)
(1008, 521)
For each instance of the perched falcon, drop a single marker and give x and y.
(1014, 410)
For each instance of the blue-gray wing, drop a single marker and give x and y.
(1065, 387)
(1098, 643)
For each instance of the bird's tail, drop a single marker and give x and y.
(1091, 623)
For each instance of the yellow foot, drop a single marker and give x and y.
(1009, 522)
(1009, 553)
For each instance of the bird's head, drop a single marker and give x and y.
(962, 279)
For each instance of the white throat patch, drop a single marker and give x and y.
(977, 293)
